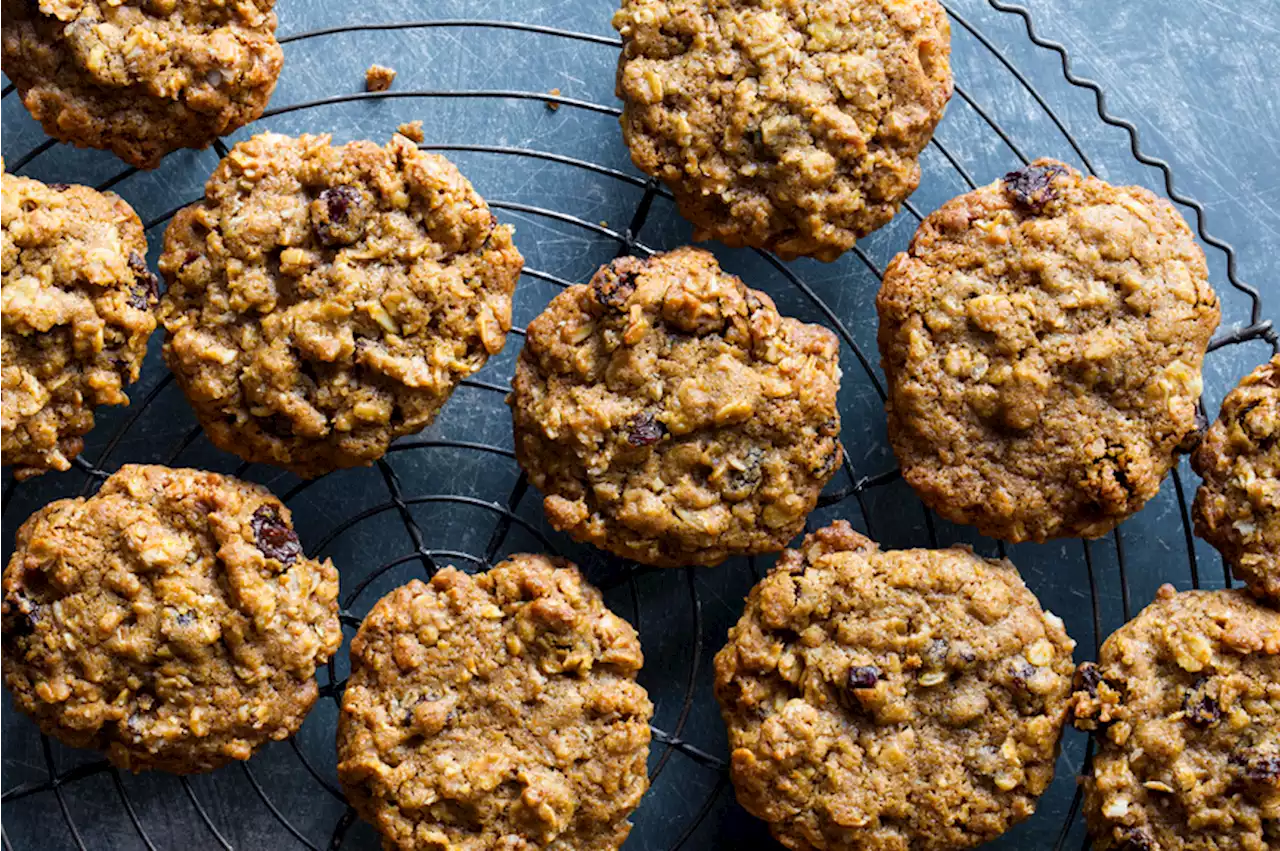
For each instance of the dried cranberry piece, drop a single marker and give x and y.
(1032, 186)
(333, 215)
(615, 283)
(1136, 839)
(1090, 678)
(1201, 708)
(273, 537)
(21, 614)
(146, 287)
(1259, 769)
(644, 429)
(864, 676)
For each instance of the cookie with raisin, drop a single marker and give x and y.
(77, 312)
(892, 699)
(1237, 508)
(326, 299)
(498, 711)
(794, 126)
(1184, 703)
(141, 78)
(670, 415)
(1042, 340)
(172, 620)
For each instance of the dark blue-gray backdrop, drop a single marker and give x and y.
(1198, 77)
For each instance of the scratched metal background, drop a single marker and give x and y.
(1197, 77)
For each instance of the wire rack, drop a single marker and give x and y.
(455, 495)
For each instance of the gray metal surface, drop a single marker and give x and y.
(1198, 74)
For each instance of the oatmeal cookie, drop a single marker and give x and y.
(324, 300)
(793, 126)
(1237, 509)
(171, 620)
(1185, 702)
(77, 311)
(141, 78)
(892, 700)
(1042, 339)
(497, 711)
(670, 415)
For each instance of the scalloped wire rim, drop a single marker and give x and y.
(856, 486)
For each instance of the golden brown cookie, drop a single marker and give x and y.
(77, 312)
(171, 620)
(1042, 340)
(142, 78)
(1237, 509)
(670, 415)
(875, 700)
(497, 711)
(1185, 702)
(794, 125)
(324, 300)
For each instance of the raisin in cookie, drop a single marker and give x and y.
(906, 699)
(324, 300)
(1185, 702)
(793, 126)
(1237, 509)
(670, 415)
(497, 711)
(141, 78)
(171, 620)
(77, 313)
(1042, 340)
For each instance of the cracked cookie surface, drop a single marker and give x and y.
(324, 300)
(670, 415)
(142, 78)
(1237, 508)
(77, 313)
(496, 711)
(881, 700)
(1042, 339)
(1185, 705)
(171, 620)
(793, 126)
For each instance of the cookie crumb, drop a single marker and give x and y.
(553, 105)
(412, 130)
(378, 78)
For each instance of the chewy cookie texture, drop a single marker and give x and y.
(794, 125)
(171, 620)
(890, 700)
(141, 78)
(670, 415)
(1237, 509)
(1042, 340)
(324, 300)
(1185, 705)
(497, 711)
(77, 313)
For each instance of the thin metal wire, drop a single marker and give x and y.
(1257, 328)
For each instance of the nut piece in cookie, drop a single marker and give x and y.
(1042, 339)
(1237, 509)
(1184, 703)
(498, 711)
(77, 313)
(141, 79)
(857, 678)
(670, 415)
(324, 300)
(170, 621)
(793, 126)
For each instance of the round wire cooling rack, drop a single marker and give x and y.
(553, 163)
